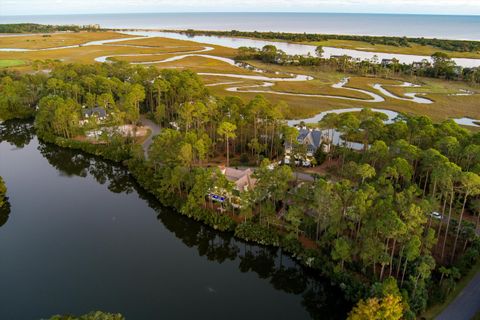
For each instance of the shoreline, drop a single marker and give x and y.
(467, 55)
(306, 257)
(297, 24)
(285, 32)
(312, 259)
(176, 231)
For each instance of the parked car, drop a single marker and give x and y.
(436, 215)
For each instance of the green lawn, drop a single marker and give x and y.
(11, 63)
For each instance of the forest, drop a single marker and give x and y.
(449, 45)
(393, 224)
(42, 28)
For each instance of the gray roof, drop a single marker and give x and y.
(100, 112)
(313, 138)
(303, 133)
(316, 138)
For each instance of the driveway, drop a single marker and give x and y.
(303, 176)
(155, 128)
(466, 304)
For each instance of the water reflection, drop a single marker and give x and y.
(318, 297)
(296, 49)
(4, 212)
(73, 163)
(17, 132)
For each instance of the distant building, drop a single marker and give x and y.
(386, 62)
(420, 64)
(94, 26)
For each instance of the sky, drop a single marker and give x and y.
(37, 7)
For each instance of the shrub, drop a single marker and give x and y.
(95, 315)
(258, 233)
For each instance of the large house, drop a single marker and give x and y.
(101, 113)
(312, 139)
(88, 113)
(243, 181)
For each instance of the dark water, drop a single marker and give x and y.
(82, 236)
(439, 26)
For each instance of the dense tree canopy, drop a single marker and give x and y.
(442, 65)
(40, 28)
(449, 45)
(367, 222)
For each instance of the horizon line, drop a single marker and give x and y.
(242, 12)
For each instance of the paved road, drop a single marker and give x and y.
(155, 128)
(466, 304)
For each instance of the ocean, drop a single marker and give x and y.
(432, 26)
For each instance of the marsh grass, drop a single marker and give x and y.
(444, 106)
(11, 63)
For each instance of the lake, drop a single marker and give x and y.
(81, 236)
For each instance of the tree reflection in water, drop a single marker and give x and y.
(74, 163)
(319, 298)
(17, 132)
(4, 212)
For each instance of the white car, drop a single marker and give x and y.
(306, 163)
(436, 215)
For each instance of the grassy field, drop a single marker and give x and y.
(445, 105)
(201, 64)
(87, 54)
(11, 63)
(159, 42)
(40, 41)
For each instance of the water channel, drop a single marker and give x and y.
(80, 235)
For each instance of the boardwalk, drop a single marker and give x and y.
(466, 304)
